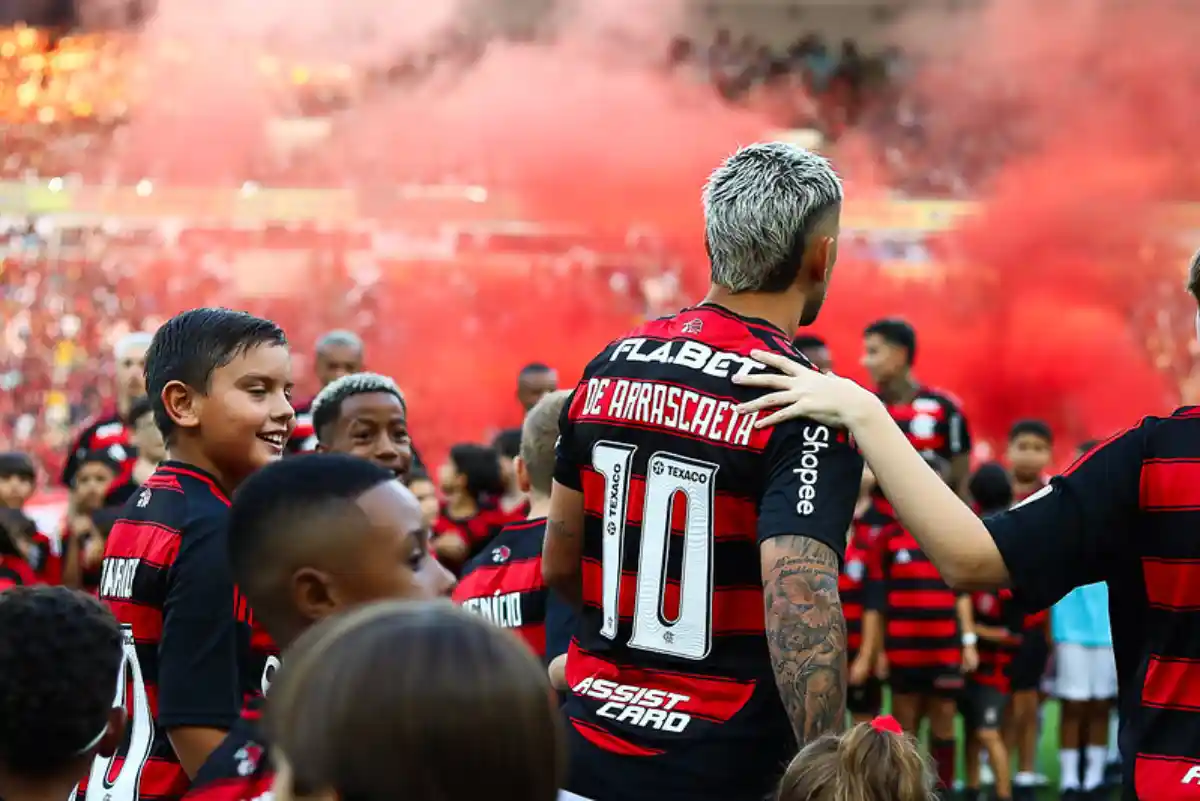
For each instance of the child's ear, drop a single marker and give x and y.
(523, 483)
(183, 404)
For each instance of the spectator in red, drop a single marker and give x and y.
(470, 516)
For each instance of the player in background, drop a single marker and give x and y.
(151, 451)
(507, 445)
(503, 583)
(337, 353)
(363, 414)
(110, 431)
(930, 640)
(60, 656)
(470, 515)
(864, 599)
(423, 487)
(704, 558)
(95, 473)
(535, 381)
(220, 383)
(1030, 450)
(18, 479)
(310, 538)
(15, 531)
(930, 417)
(439, 683)
(1124, 513)
(998, 623)
(815, 350)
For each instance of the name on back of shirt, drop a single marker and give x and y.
(671, 407)
(116, 577)
(685, 353)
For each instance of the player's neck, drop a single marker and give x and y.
(899, 390)
(123, 404)
(539, 506)
(183, 451)
(777, 308)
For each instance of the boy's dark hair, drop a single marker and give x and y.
(139, 407)
(1035, 427)
(804, 342)
(15, 526)
(16, 463)
(98, 457)
(60, 655)
(897, 332)
(327, 406)
(480, 465)
(990, 488)
(508, 443)
(286, 504)
(533, 368)
(192, 345)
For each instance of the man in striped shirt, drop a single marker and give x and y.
(1126, 513)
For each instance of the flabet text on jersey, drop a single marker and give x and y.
(686, 353)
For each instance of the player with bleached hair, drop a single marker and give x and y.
(363, 414)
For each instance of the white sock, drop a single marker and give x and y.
(1024, 779)
(1114, 730)
(1068, 763)
(1093, 771)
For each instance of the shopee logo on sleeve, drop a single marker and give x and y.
(816, 439)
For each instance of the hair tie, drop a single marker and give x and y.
(887, 723)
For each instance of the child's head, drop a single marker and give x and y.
(508, 446)
(220, 382)
(17, 479)
(363, 414)
(94, 475)
(990, 488)
(60, 657)
(472, 470)
(872, 761)
(315, 534)
(423, 488)
(145, 434)
(1029, 449)
(535, 464)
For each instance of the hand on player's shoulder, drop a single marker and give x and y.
(801, 391)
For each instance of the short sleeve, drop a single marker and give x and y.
(812, 479)
(954, 430)
(198, 655)
(566, 458)
(1074, 530)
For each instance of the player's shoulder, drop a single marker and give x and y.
(178, 497)
(936, 398)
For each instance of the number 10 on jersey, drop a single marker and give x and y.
(689, 635)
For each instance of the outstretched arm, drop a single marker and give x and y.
(806, 633)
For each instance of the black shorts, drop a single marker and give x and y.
(947, 681)
(866, 698)
(982, 706)
(1029, 662)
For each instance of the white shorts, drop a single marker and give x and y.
(1083, 673)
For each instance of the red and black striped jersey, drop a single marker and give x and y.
(108, 434)
(996, 610)
(304, 436)
(922, 629)
(240, 768)
(1127, 513)
(15, 572)
(672, 690)
(859, 585)
(188, 651)
(479, 529)
(504, 582)
(933, 422)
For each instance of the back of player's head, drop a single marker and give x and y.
(285, 506)
(508, 443)
(538, 437)
(327, 406)
(895, 331)
(872, 761)
(438, 676)
(760, 208)
(1193, 279)
(479, 465)
(1037, 428)
(339, 338)
(534, 368)
(17, 464)
(991, 488)
(803, 342)
(191, 346)
(60, 655)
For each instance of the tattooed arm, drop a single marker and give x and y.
(562, 552)
(806, 633)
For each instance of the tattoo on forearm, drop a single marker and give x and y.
(806, 633)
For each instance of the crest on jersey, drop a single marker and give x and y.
(903, 557)
(987, 603)
(144, 499)
(248, 757)
(855, 570)
(923, 425)
(693, 326)
(501, 555)
(117, 453)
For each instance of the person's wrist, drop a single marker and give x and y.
(864, 408)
